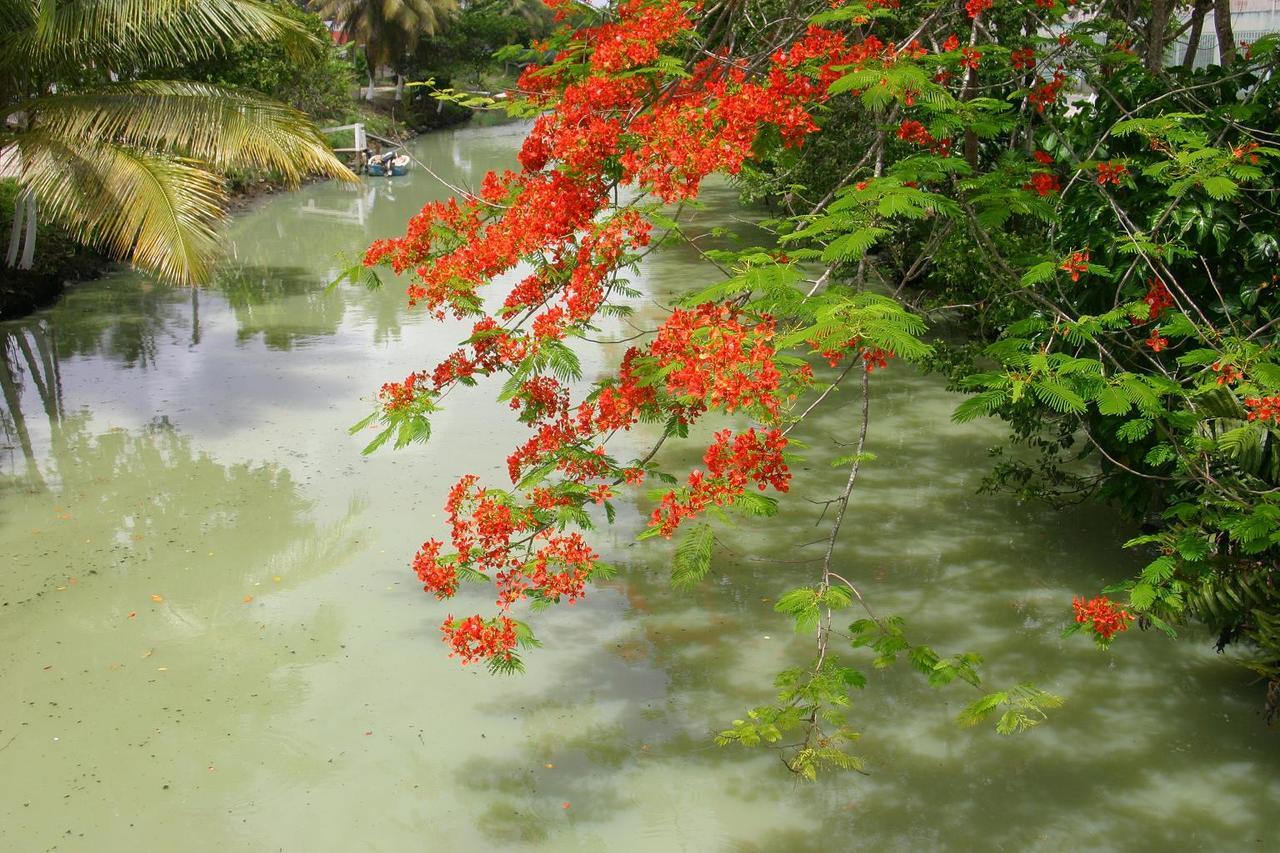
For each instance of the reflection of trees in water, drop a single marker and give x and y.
(27, 358)
(149, 484)
(284, 305)
(122, 318)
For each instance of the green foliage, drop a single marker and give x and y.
(693, 556)
(1024, 705)
(318, 83)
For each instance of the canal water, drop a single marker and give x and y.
(210, 639)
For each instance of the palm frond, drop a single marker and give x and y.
(212, 124)
(60, 39)
(156, 211)
(387, 27)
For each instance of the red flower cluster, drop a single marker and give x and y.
(1228, 374)
(732, 463)
(1102, 615)
(1046, 94)
(709, 358)
(1044, 183)
(952, 43)
(440, 578)
(1264, 408)
(914, 132)
(873, 357)
(1158, 298)
(636, 37)
(1023, 59)
(559, 568)
(1241, 152)
(977, 7)
(1156, 342)
(395, 396)
(718, 359)
(1076, 263)
(1111, 172)
(474, 638)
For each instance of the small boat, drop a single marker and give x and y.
(390, 164)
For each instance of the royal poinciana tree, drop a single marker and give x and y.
(1102, 222)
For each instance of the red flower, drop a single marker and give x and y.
(1076, 263)
(732, 463)
(1110, 173)
(1264, 408)
(952, 43)
(913, 131)
(1047, 93)
(977, 7)
(1102, 616)
(1044, 183)
(1158, 299)
(1228, 374)
(474, 638)
(1156, 342)
(1023, 58)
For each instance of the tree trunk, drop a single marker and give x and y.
(1157, 25)
(13, 402)
(15, 232)
(29, 248)
(369, 68)
(1226, 36)
(24, 226)
(1193, 36)
(399, 86)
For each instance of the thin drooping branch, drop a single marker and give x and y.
(842, 506)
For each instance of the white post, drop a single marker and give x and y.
(362, 142)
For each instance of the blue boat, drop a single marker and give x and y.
(388, 165)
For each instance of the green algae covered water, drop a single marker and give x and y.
(210, 639)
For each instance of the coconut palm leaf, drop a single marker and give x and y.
(386, 26)
(52, 35)
(212, 124)
(129, 166)
(159, 211)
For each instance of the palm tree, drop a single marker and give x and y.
(130, 164)
(386, 28)
(535, 13)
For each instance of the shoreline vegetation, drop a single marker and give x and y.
(330, 86)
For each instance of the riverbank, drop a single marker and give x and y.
(60, 260)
